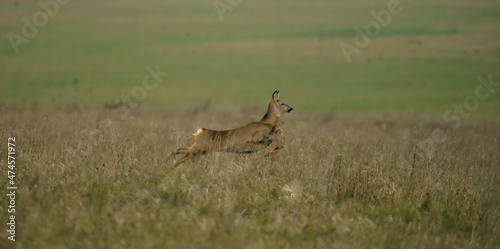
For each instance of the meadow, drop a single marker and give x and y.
(343, 181)
(395, 149)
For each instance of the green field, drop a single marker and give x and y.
(398, 148)
(427, 58)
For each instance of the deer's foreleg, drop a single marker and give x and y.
(278, 143)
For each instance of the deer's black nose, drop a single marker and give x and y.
(291, 109)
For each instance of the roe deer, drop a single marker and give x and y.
(247, 139)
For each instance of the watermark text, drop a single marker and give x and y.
(49, 9)
(11, 188)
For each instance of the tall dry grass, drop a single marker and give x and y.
(88, 179)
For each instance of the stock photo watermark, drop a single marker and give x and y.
(371, 29)
(30, 27)
(222, 6)
(471, 103)
(425, 149)
(139, 93)
(124, 104)
(11, 188)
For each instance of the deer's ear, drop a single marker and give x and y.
(276, 95)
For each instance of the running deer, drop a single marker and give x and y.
(244, 140)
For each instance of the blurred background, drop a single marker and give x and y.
(424, 58)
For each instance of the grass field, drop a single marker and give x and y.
(349, 182)
(396, 149)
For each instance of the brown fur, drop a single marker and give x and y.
(244, 140)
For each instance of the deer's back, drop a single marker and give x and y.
(232, 140)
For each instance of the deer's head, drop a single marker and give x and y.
(278, 106)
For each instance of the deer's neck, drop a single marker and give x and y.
(271, 117)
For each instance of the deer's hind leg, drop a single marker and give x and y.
(278, 143)
(181, 160)
(177, 152)
(188, 154)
